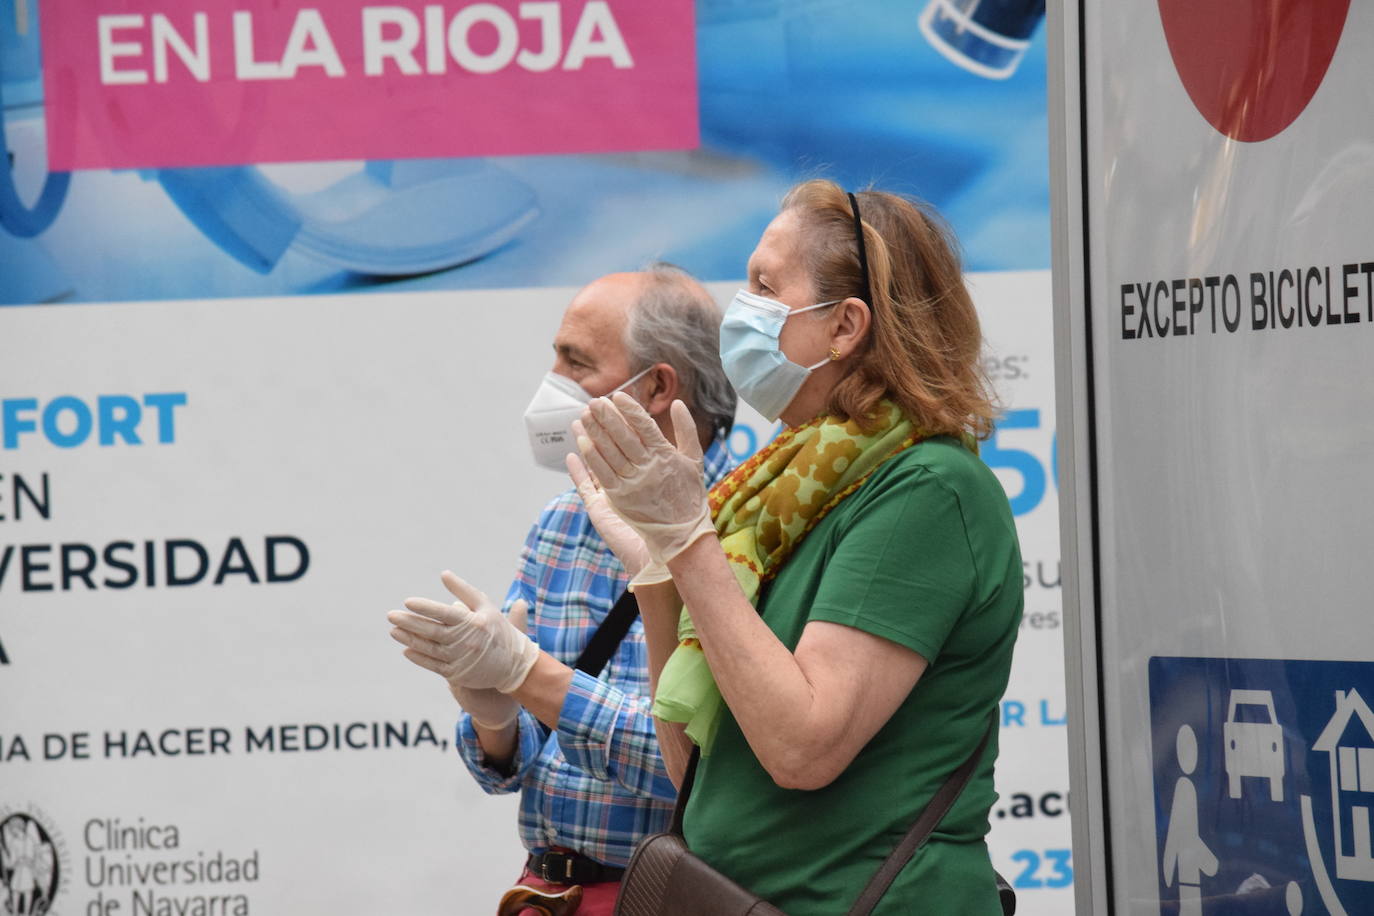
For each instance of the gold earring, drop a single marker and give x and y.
(834, 354)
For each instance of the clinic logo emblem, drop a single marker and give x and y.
(30, 864)
(1251, 68)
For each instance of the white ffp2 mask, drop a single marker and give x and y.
(549, 417)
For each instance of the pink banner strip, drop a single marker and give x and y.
(166, 83)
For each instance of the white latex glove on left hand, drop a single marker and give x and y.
(489, 707)
(470, 643)
(654, 486)
(623, 540)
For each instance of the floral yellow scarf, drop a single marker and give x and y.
(762, 511)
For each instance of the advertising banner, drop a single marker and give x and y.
(1030, 830)
(229, 83)
(273, 330)
(782, 90)
(1219, 360)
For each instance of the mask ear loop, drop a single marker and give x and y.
(809, 308)
(632, 379)
(625, 385)
(819, 305)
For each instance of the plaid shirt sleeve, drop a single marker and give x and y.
(609, 734)
(491, 780)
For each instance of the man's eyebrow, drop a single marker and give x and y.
(573, 352)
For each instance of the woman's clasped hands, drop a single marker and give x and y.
(655, 488)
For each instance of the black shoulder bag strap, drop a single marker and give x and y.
(930, 818)
(607, 637)
(689, 776)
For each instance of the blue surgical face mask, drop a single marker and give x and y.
(762, 374)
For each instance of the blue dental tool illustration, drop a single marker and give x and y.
(388, 219)
(986, 37)
(393, 218)
(21, 96)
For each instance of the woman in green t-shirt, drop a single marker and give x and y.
(839, 646)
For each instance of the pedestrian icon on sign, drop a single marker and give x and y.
(1186, 856)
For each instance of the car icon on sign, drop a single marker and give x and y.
(1254, 741)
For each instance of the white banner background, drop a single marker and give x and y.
(1233, 464)
(384, 432)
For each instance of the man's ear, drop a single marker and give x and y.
(659, 388)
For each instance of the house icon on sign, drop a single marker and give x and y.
(1352, 783)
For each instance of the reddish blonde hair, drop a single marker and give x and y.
(924, 346)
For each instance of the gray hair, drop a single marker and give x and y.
(675, 321)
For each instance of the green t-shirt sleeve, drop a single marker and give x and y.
(902, 569)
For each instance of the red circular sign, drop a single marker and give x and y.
(1251, 68)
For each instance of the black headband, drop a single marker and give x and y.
(863, 251)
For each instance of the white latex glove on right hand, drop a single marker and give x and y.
(654, 486)
(469, 643)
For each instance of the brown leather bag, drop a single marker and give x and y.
(664, 878)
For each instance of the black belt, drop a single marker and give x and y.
(563, 866)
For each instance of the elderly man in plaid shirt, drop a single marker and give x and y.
(580, 749)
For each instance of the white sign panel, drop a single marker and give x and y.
(1219, 325)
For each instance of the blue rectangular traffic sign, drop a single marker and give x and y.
(1263, 785)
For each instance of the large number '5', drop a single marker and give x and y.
(1026, 465)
